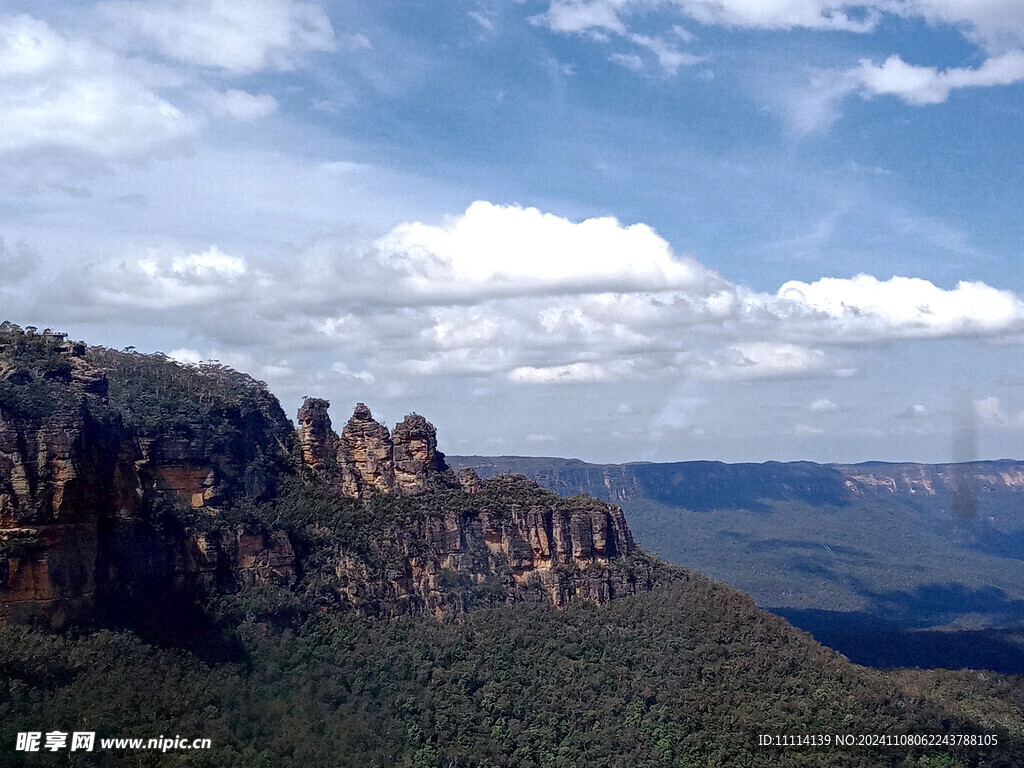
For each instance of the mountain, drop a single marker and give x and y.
(176, 559)
(865, 556)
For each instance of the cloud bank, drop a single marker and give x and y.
(509, 293)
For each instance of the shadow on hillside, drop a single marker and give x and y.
(898, 630)
(938, 605)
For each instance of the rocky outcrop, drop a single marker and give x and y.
(517, 543)
(110, 500)
(469, 480)
(79, 487)
(317, 440)
(366, 458)
(415, 455)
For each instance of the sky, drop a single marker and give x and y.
(617, 230)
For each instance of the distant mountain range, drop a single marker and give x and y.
(858, 554)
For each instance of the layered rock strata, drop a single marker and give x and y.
(540, 548)
(78, 489)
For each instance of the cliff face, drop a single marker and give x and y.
(79, 487)
(538, 547)
(989, 487)
(115, 469)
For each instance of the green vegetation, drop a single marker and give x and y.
(34, 372)
(160, 396)
(687, 675)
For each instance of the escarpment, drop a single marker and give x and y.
(129, 480)
(94, 446)
(503, 539)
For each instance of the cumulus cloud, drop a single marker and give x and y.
(238, 36)
(997, 25)
(60, 92)
(510, 293)
(581, 16)
(760, 360)
(990, 411)
(120, 80)
(496, 250)
(161, 279)
(866, 308)
(823, 405)
(927, 85)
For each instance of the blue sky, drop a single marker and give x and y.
(612, 229)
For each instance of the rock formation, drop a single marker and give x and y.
(79, 488)
(115, 467)
(511, 542)
(367, 458)
(415, 455)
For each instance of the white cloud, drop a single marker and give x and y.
(347, 373)
(995, 24)
(237, 105)
(864, 308)
(574, 373)
(580, 16)
(484, 21)
(669, 58)
(166, 279)
(539, 299)
(59, 92)
(628, 60)
(493, 249)
(990, 411)
(353, 42)
(506, 293)
(807, 430)
(540, 438)
(823, 405)
(914, 412)
(784, 14)
(927, 85)
(239, 36)
(187, 356)
(760, 360)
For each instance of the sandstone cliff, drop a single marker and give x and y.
(80, 485)
(506, 541)
(129, 480)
